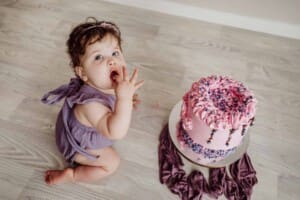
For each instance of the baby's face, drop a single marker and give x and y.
(102, 63)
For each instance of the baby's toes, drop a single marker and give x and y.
(47, 179)
(46, 175)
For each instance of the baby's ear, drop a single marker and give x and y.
(80, 72)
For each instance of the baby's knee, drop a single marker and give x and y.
(114, 163)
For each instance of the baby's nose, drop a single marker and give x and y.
(111, 62)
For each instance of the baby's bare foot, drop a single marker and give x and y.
(53, 177)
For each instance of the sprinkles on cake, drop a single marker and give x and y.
(221, 102)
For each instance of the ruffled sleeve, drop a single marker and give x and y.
(83, 97)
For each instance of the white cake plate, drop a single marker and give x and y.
(174, 119)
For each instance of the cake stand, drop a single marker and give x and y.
(237, 154)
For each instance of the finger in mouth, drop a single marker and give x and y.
(113, 75)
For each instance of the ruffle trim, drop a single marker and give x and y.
(84, 97)
(192, 186)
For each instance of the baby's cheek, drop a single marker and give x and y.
(121, 61)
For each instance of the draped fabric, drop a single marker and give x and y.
(192, 186)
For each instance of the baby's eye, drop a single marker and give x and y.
(99, 57)
(116, 53)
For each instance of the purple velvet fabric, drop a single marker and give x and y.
(192, 186)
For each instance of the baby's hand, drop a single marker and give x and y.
(126, 87)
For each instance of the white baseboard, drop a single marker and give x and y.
(228, 19)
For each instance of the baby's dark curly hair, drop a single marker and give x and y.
(88, 33)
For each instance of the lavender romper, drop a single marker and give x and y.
(72, 136)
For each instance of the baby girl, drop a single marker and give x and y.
(98, 104)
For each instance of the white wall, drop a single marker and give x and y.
(277, 17)
(277, 10)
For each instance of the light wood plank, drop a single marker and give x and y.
(172, 52)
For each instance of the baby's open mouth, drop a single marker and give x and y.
(114, 75)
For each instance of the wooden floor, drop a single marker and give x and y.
(172, 52)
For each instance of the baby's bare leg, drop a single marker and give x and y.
(89, 171)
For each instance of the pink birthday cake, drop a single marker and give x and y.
(216, 114)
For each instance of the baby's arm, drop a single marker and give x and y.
(115, 125)
(118, 122)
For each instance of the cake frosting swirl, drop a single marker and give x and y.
(215, 115)
(220, 102)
